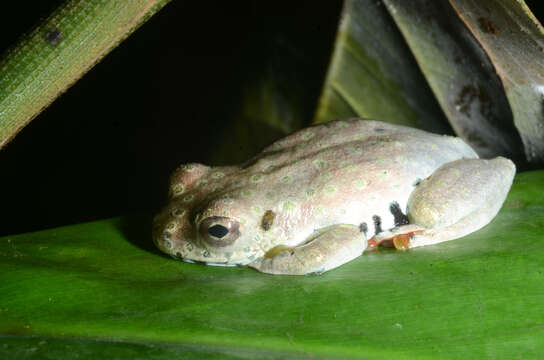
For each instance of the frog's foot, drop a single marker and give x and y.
(399, 237)
(328, 249)
(458, 199)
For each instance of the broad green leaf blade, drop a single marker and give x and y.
(39, 347)
(460, 74)
(84, 285)
(60, 50)
(372, 73)
(514, 41)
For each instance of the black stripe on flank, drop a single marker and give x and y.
(377, 224)
(363, 228)
(400, 218)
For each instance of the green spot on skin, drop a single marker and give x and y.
(189, 168)
(178, 189)
(360, 184)
(310, 192)
(329, 189)
(322, 144)
(178, 212)
(216, 187)
(307, 135)
(384, 174)
(286, 179)
(320, 164)
(320, 210)
(288, 205)
(257, 178)
(228, 201)
(207, 213)
(188, 198)
(218, 175)
(170, 226)
(327, 176)
(355, 151)
(257, 209)
(247, 193)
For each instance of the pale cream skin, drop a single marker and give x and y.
(318, 198)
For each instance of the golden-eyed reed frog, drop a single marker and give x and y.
(320, 197)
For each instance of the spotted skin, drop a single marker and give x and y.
(289, 201)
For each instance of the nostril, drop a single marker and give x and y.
(218, 231)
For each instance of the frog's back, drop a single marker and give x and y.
(352, 171)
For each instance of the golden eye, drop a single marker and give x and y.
(219, 231)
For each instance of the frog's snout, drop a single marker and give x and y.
(162, 236)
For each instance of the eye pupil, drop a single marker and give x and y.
(218, 231)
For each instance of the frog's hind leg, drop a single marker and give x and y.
(459, 198)
(328, 249)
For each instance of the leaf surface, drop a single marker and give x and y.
(477, 66)
(102, 288)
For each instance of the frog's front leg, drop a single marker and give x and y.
(327, 249)
(456, 200)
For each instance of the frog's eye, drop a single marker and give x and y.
(219, 231)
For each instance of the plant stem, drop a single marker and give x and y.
(45, 62)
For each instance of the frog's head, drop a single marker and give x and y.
(206, 220)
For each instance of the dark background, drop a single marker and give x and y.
(163, 97)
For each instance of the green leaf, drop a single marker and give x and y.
(101, 288)
(63, 47)
(373, 74)
(514, 41)
(481, 61)
(461, 75)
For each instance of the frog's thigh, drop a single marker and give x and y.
(459, 198)
(330, 248)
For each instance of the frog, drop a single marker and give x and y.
(326, 194)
